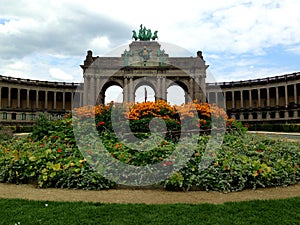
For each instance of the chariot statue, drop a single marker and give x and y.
(144, 34)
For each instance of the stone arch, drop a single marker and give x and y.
(101, 94)
(183, 86)
(148, 83)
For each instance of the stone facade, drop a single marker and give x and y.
(22, 99)
(144, 63)
(273, 99)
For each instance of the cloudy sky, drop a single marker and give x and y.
(240, 39)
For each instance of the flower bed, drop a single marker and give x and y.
(50, 156)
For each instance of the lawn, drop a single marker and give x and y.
(63, 154)
(284, 211)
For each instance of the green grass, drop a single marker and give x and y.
(284, 211)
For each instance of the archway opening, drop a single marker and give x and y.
(113, 93)
(176, 95)
(144, 93)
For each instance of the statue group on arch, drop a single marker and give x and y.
(144, 34)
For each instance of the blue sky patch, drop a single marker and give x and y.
(3, 20)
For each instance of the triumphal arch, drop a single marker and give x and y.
(145, 62)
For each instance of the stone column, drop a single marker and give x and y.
(217, 99)
(286, 95)
(268, 97)
(131, 90)
(268, 115)
(191, 88)
(202, 85)
(197, 89)
(207, 97)
(259, 115)
(72, 99)
(286, 113)
(54, 100)
(81, 99)
(258, 96)
(18, 98)
(9, 98)
(233, 103)
(125, 90)
(86, 90)
(37, 99)
(64, 100)
(27, 99)
(277, 96)
(46, 99)
(250, 116)
(158, 85)
(233, 116)
(295, 113)
(242, 100)
(98, 90)
(295, 94)
(242, 116)
(277, 103)
(91, 100)
(250, 99)
(268, 103)
(225, 106)
(164, 89)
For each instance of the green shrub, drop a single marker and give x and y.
(243, 161)
(50, 156)
(275, 127)
(5, 133)
(26, 129)
(42, 127)
(52, 161)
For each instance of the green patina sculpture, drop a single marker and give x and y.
(134, 36)
(144, 34)
(154, 35)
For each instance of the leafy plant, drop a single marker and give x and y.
(49, 157)
(42, 127)
(5, 134)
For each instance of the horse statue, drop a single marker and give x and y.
(154, 35)
(144, 34)
(134, 36)
(148, 35)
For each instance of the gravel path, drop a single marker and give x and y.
(144, 196)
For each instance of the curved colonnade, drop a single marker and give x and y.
(273, 99)
(22, 99)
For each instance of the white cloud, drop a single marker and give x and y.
(17, 69)
(99, 44)
(294, 49)
(60, 75)
(47, 33)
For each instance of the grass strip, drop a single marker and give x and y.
(282, 211)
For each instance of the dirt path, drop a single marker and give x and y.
(143, 196)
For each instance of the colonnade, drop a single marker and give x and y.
(269, 99)
(22, 99)
(274, 98)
